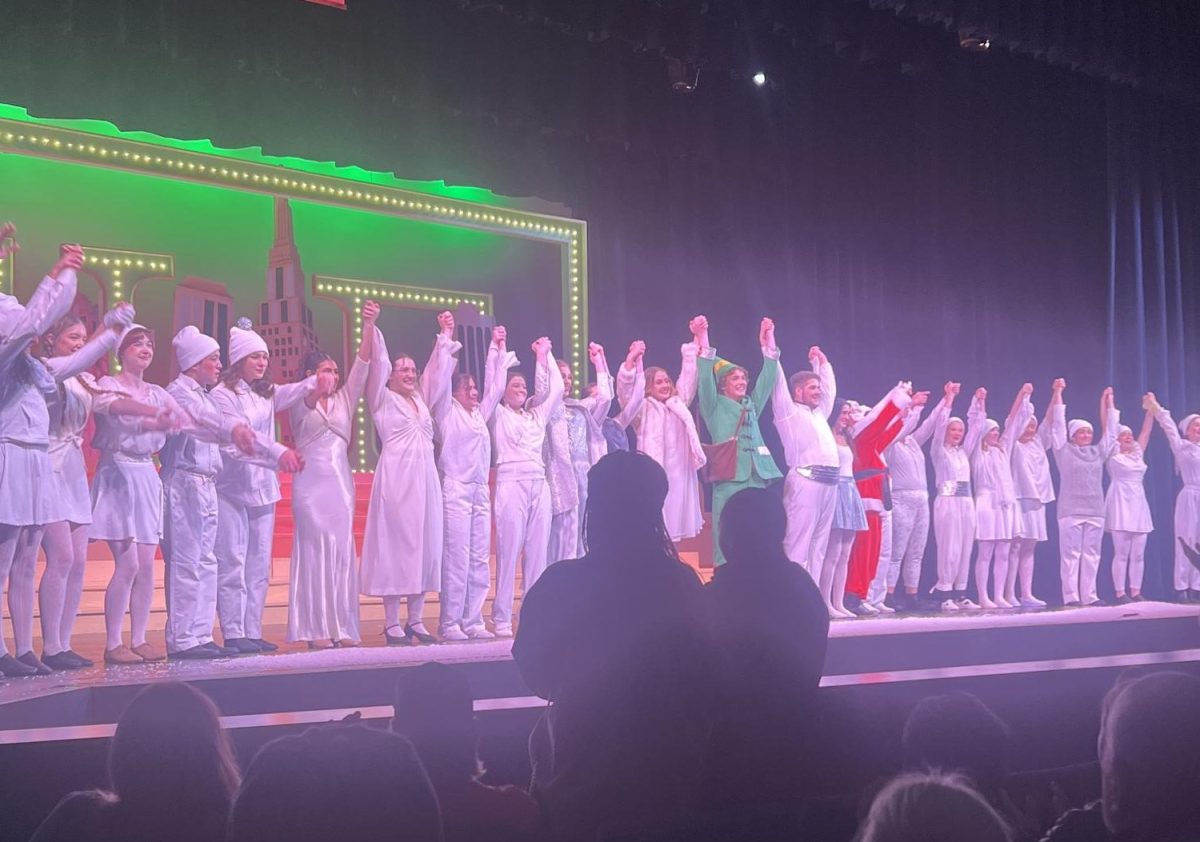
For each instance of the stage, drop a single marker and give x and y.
(295, 687)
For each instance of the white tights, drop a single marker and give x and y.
(992, 556)
(61, 588)
(1023, 549)
(416, 609)
(18, 559)
(130, 589)
(1129, 554)
(833, 571)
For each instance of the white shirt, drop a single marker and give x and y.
(520, 434)
(240, 481)
(804, 431)
(905, 458)
(991, 469)
(1187, 454)
(465, 443)
(950, 464)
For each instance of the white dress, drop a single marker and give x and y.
(1031, 479)
(666, 432)
(1125, 505)
(991, 478)
(127, 494)
(402, 550)
(323, 586)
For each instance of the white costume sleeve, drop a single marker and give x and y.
(685, 384)
(782, 405)
(976, 418)
(633, 404)
(66, 367)
(597, 405)
(49, 303)
(1058, 427)
(1174, 439)
(554, 389)
(437, 378)
(496, 380)
(356, 381)
(289, 394)
(381, 371)
(828, 386)
(1112, 426)
(1015, 424)
(939, 416)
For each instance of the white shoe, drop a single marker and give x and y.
(1032, 602)
(950, 605)
(846, 613)
(967, 605)
(883, 608)
(504, 631)
(868, 607)
(479, 633)
(452, 633)
(1004, 603)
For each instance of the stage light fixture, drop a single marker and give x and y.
(973, 43)
(759, 79)
(684, 78)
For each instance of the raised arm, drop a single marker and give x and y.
(941, 416)
(436, 380)
(764, 386)
(381, 371)
(67, 366)
(1143, 438)
(631, 384)
(685, 384)
(783, 406)
(1018, 416)
(288, 395)
(1110, 423)
(976, 422)
(499, 361)
(1056, 416)
(360, 369)
(1163, 416)
(598, 404)
(630, 410)
(49, 303)
(554, 390)
(824, 370)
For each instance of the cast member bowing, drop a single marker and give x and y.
(522, 507)
(731, 411)
(247, 493)
(1185, 445)
(1080, 498)
(323, 587)
(460, 421)
(801, 406)
(402, 548)
(191, 460)
(574, 442)
(1035, 491)
(953, 508)
(989, 450)
(666, 431)
(1126, 510)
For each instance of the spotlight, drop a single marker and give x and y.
(759, 79)
(973, 43)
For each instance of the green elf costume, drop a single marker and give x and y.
(755, 466)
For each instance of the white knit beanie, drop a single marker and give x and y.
(243, 341)
(192, 347)
(1077, 424)
(1187, 422)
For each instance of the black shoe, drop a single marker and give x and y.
(1183, 596)
(1072, 604)
(31, 660)
(1193, 596)
(61, 661)
(395, 640)
(263, 645)
(10, 667)
(1124, 599)
(1138, 598)
(423, 637)
(199, 652)
(242, 646)
(79, 659)
(1097, 603)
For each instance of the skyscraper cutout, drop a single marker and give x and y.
(284, 318)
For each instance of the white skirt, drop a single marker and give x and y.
(70, 498)
(993, 521)
(1031, 519)
(127, 502)
(25, 492)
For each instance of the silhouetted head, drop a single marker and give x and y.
(435, 710)
(753, 524)
(336, 781)
(169, 754)
(1149, 751)
(931, 808)
(626, 492)
(957, 732)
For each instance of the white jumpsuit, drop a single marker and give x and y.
(522, 506)
(910, 501)
(1187, 504)
(1127, 514)
(953, 508)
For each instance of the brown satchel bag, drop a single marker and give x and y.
(723, 456)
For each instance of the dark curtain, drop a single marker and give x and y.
(986, 218)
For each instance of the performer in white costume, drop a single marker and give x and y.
(522, 507)
(1126, 510)
(990, 451)
(801, 406)
(402, 548)
(1080, 498)
(1031, 480)
(666, 432)
(849, 518)
(65, 539)
(910, 506)
(247, 493)
(190, 462)
(953, 508)
(1185, 445)
(323, 587)
(574, 442)
(127, 495)
(26, 485)
(460, 421)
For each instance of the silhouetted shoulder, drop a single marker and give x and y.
(80, 815)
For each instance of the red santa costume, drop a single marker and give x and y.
(873, 434)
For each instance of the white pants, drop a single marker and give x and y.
(565, 536)
(1079, 557)
(810, 506)
(189, 543)
(61, 588)
(910, 534)
(467, 545)
(954, 532)
(244, 536)
(1187, 527)
(18, 559)
(522, 513)
(888, 571)
(1129, 554)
